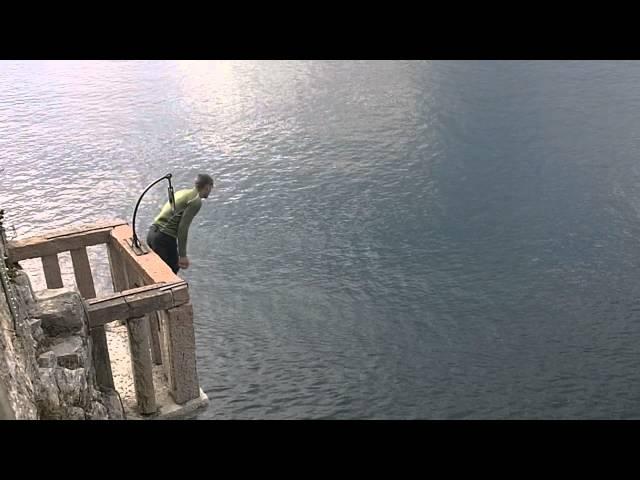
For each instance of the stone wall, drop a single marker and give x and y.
(46, 367)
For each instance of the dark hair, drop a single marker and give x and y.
(202, 180)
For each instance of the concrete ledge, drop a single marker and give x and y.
(183, 412)
(173, 411)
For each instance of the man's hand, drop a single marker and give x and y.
(183, 262)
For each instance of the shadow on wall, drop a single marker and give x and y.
(6, 413)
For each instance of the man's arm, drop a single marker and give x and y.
(185, 222)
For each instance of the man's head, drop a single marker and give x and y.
(204, 184)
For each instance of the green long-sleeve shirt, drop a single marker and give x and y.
(176, 225)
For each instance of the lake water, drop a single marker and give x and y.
(387, 239)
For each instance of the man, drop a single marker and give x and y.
(169, 232)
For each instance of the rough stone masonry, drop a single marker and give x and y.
(46, 367)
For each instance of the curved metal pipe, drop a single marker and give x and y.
(172, 200)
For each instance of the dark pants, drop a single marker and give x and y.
(165, 246)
